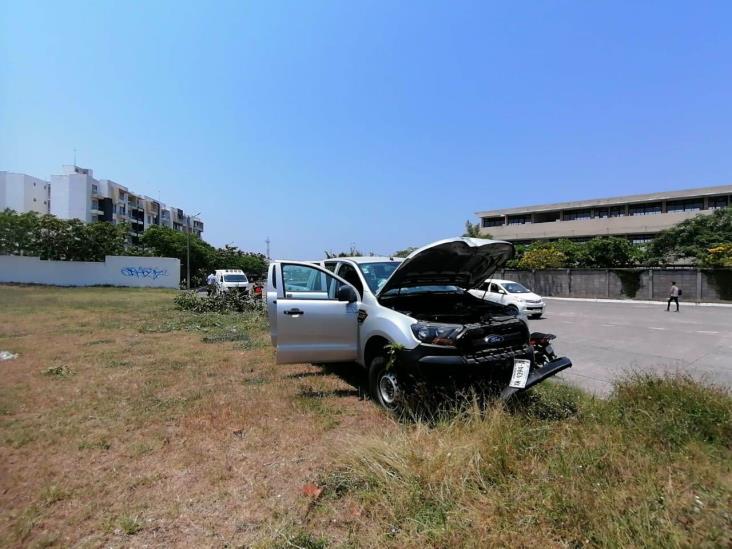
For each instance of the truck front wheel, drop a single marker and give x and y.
(385, 385)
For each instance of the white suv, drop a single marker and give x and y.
(404, 319)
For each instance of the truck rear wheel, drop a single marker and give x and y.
(385, 386)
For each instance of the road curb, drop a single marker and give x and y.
(637, 301)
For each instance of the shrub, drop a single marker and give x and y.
(226, 302)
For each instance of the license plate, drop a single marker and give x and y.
(520, 373)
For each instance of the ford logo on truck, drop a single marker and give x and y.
(493, 339)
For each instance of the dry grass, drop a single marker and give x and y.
(124, 422)
(120, 425)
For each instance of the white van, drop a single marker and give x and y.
(513, 295)
(232, 279)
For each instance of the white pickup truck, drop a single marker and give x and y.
(405, 320)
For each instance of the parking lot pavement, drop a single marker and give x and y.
(606, 340)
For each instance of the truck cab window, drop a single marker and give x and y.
(349, 274)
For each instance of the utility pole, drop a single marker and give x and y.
(267, 241)
(188, 254)
(188, 250)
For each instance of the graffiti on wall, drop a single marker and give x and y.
(144, 272)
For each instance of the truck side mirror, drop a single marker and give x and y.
(347, 293)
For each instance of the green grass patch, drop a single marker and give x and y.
(130, 525)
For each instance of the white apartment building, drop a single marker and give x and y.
(24, 193)
(77, 194)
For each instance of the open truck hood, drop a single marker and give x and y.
(464, 262)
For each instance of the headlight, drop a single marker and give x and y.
(437, 334)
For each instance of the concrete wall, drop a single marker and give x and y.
(152, 272)
(697, 285)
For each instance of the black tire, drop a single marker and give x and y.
(513, 310)
(385, 385)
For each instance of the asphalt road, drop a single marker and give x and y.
(606, 340)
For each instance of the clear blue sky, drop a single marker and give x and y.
(385, 124)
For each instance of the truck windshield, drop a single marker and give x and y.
(235, 278)
(515, 288)
(376, 274)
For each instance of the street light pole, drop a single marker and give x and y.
(188, 251)
(188, 255)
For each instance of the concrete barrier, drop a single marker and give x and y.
(140, 272)
(708, 285)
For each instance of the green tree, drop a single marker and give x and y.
(104, 239)
(405, 252)
(473, 230)
(167, 242)
(544, 257)
(352, 252)
(693, 238)
(608, 252)
(231, 257)
(19, 233)
(718, 256)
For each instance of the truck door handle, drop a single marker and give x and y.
(294, 312)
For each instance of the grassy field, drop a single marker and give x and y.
(124, 422)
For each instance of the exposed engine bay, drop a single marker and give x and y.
(458, 307)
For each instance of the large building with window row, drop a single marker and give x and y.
(637, 217)
(77, 194)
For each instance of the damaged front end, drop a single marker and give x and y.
(498, 353)
(461, 336)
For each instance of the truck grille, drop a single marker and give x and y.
(498, 355)
(478, 336)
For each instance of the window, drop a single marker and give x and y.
(645, 209)
(573, 215)
(640, 239)
(331, 265)
(519, 219)
(492, 221)
(495, 288)
(348, 273)
(235, 278)
(692, 205)
(515, 288)
(376, 274)
(716, 202)
(34, 200)
(303, 282)
(95, 189)
(612, 211)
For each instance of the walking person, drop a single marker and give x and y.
(211, 283)
(673, 295)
